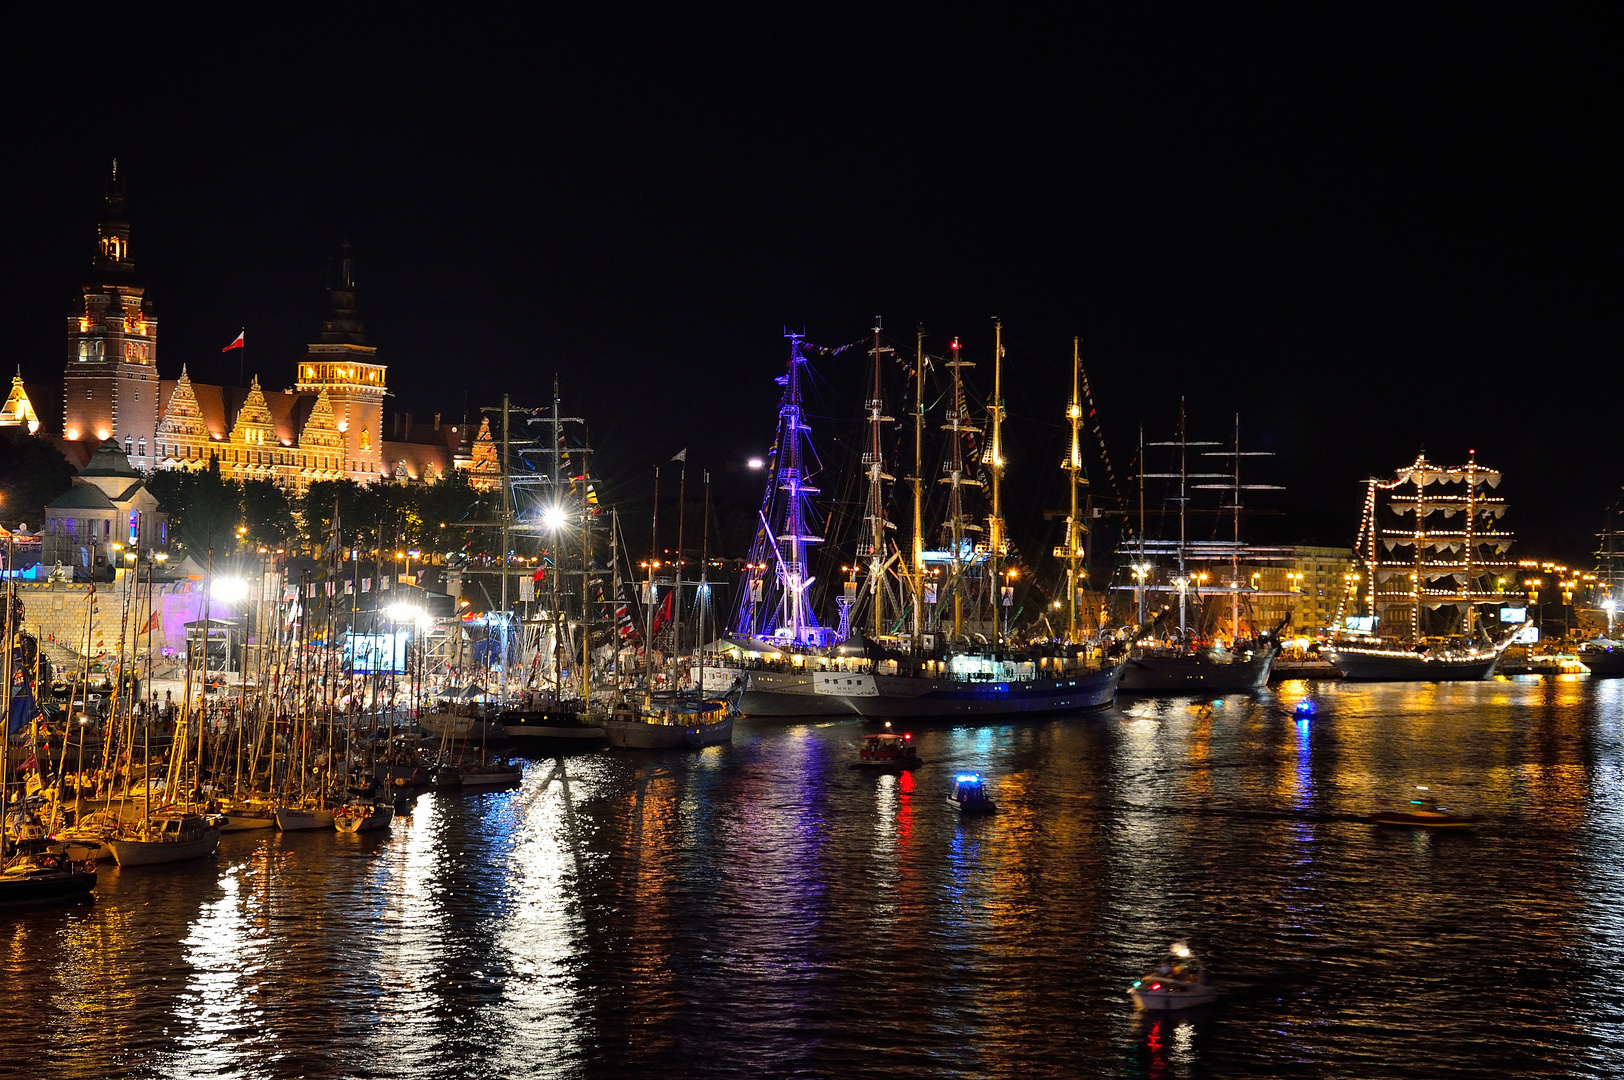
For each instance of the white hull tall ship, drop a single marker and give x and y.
(922, 697)
(1433, 554)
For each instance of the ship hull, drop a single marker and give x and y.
(50, 887)
(886, 697)
(1374, 666)
(153, 852)
(1194, 674)
(551, 730)
(770, 694)
(1603, 663)
(297, 819)
(636, 735)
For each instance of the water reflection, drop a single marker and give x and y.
(217, 1013)
(762, 909)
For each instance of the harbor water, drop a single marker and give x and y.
(762, 909)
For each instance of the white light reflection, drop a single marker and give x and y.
(542, 931)
(411, 957)
(220, 1022)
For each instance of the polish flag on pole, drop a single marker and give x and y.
(236, 342)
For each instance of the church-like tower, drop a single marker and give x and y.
(111, 387)
(341, 366)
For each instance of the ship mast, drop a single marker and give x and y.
(874, 463)
(1183, 476)
(917, 561)
(778, 558)
(955, 477)
(995, 524)
(1074, 466)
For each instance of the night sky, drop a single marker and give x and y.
(1364, 232)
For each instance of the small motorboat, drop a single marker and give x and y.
(1423, 812)
(970, 795)
(1180, 982)
(886, 750)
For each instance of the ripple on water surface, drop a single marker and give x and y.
(763, 910)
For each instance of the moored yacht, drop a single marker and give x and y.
(165, 837)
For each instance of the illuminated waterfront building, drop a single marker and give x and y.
(328, 425)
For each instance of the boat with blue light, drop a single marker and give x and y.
(970, 795)
(1179, 982)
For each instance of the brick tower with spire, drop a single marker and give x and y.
(111, 386)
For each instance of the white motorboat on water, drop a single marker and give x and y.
(1179, 982)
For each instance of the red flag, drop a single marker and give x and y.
(236, 342)
(662, 616)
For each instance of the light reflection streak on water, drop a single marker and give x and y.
(1603, 888)
(216, 1016)
(410, 963)
(542, 929)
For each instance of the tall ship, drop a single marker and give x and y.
(1432, 553)
(1603, 655)
(1202, 575)
(775, 634)
(940, 669)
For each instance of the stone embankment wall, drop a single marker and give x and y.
(60, 612)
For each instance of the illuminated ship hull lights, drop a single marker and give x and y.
(1194, 673)
(881, 697)
(1383, 665)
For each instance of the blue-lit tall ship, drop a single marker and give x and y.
(775, 637)
(1424, 582)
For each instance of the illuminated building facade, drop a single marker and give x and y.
(110, 388)
(327, 426)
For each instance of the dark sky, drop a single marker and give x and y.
(1364, 231)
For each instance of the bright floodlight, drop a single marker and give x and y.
(756, 463)
(401, 612)
(554, 517)
(231, 590)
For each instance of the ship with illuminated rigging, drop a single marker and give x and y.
(1165, 659)
(942, 672)
(1432, 553)
(775, 632)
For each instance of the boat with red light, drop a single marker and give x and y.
(886, 750)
